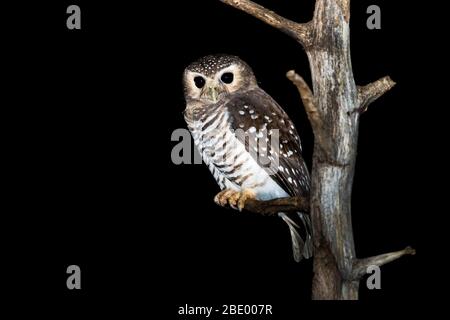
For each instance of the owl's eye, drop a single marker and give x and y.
(199, 82)
(227, 77)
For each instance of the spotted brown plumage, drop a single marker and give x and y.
(249, 110)
(246, 139)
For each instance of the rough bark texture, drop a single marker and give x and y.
(334, 110)
(273, 207)
(334, 158)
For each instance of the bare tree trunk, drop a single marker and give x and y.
(334, 111)
(334, 153)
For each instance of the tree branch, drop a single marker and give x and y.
(307, 98)
(361, 265)
(371, 92)
(310, 106)
(300, 31)
(273, 207)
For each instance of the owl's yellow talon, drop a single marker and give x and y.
(234, 199)
(245, 195)
(222, 197)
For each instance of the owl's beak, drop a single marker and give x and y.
(213, 93)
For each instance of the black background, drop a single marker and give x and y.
(89, 130)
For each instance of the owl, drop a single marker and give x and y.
(246, 139)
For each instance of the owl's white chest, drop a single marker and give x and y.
(231, 164)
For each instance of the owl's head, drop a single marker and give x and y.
(212, 77)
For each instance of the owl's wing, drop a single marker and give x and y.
(259, 118)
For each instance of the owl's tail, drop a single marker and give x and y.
(301, 248)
